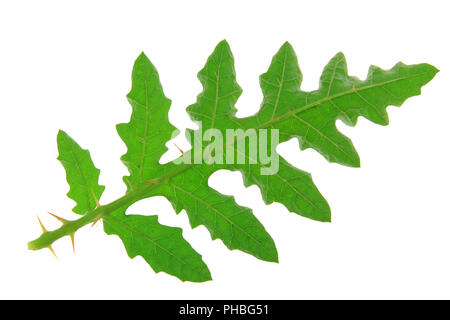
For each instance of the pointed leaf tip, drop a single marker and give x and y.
(142, 64)
(223, 42)
(61, 135)
(142, 55)
(339, 55)
(286, 46)
(432, 68)
(287, 56)
(222, 46)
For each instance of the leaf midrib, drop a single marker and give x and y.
(83, 178)
(319, 102)
(216, 102)
(144, 143)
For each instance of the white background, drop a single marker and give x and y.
(68, 66)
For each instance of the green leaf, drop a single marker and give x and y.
(290, 186)
(162, 247)
(81, 174)
(149, 128)
(215, 105)
(235, 225)
(309, 117)
(215, 108)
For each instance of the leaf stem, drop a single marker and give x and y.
(70, 227)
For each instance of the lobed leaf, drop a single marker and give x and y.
(149, 128)
(81, 174)
(309, 117)
(235, 225)
(215, 107)
(162, 247)
(290, 186)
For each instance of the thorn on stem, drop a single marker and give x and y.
(179, 149)
(42, 226)
(72, 238)
(96, 200)
(51, 249)
(63, 221)
(95, 221)
(45, 230)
